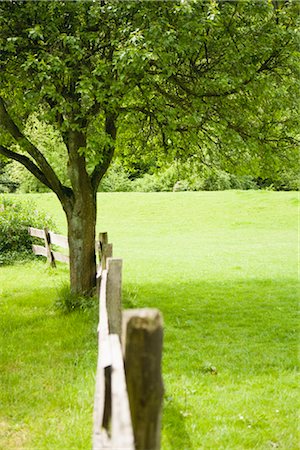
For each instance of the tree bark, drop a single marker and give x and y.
(81, 217)
(81, 236)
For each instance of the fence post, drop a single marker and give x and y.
(142, 346)
(105, 250)
(113, 295)
(50, 256)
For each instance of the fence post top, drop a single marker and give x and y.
(110, 260)
(147, 314)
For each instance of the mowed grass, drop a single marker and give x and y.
(222, 268)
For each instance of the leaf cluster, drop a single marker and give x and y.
(216, 78)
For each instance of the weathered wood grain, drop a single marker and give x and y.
(58, 239)
(143, 337)
(113, 295)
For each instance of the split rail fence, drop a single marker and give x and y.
(49, 239)
(129, 388)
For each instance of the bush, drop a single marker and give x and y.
(243, 182)
(283, 181)
(115, 180)
(162, 181)
(188, 176)
(217, 181)
(15, 218)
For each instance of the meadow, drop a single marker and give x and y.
(222, 268)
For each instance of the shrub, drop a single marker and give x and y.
(181, 186)
(217, 181)
(115, 180)
(162, 181)
(15, 218)
(243, 182)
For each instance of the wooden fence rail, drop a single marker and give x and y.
(49, 239)
(129, 388)
(103, 249)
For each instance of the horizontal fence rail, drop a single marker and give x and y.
(129, 389)
(112, 420)
(49, 239)
(103, 249)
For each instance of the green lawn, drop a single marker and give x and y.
(222, 268)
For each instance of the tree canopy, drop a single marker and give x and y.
(216, 78)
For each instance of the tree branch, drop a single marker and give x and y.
(266, 65)
(26, 162)
(101, 168)
(41, 162)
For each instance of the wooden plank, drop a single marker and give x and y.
(104, 361)
(113, 295)
(121, 427)
(101, 441)
(39, 250)
(61, 257)
(58, 239)
(143, 335)
(99, 400)
(103, 322)
(35, 232)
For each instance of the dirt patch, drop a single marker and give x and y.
(13, 436)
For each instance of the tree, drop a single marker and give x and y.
(183, 70)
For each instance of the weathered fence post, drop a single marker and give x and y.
(105, 249)
(50, 256)
(142, 346)
(113, 295)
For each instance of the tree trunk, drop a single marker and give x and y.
(81, 236)
(80, 209)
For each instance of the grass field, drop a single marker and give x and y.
(222, 268)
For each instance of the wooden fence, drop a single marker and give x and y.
(129, 387)
(49, 239)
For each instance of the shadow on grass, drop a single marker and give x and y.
(174, 426)
(240, 325)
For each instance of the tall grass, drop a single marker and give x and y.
(222, 267)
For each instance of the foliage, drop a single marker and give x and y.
(175, 177)
(115, 180)
(158, 182)
(49, 142)
(24, 179)
(15, 218)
